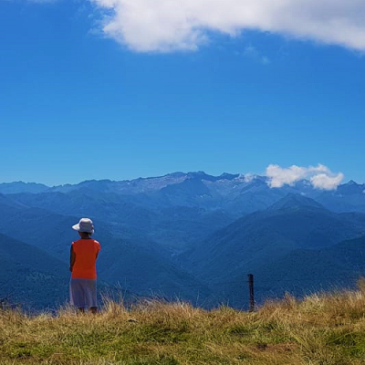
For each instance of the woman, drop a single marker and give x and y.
(83, 255)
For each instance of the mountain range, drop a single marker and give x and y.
(192, 235)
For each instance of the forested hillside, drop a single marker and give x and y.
(190, 236)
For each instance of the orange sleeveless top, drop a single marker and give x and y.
(86, 251)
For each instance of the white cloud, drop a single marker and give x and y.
(326, 182)
(247, 178)
(321, 177)
(168, 25)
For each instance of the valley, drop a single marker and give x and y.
(192, 237)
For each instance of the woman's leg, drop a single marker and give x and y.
(77, 294)
(91, 295)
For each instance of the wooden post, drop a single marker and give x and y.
(252, 296)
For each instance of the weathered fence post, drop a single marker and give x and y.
(252, 296)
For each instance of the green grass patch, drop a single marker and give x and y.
(170, 334)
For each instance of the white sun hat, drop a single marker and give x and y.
(85, 225)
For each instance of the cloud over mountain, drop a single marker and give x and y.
(169, 25)
(321, 177)
(326, 182)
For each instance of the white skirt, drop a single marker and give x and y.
(83, 293)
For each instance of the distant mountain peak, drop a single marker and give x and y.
(294, 202)
(22, 187)
(352, 182)
(201, 175)
(350, 188)
(177, 174)
(228, 176)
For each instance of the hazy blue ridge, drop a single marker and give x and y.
(21, 187)
(301, 272)
(264, 237)
(191, 235)
(30, 277)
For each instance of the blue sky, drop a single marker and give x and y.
(79, 102)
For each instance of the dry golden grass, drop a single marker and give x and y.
(322, 329)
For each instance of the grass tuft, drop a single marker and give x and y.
(321, 329)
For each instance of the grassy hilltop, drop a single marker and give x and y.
(323, 329)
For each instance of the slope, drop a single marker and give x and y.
(302, 272)
(30, 276)
(128, 257)
(174, 227)
(348, 197)
(263, 237)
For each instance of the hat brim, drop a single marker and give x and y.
(76, 227)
